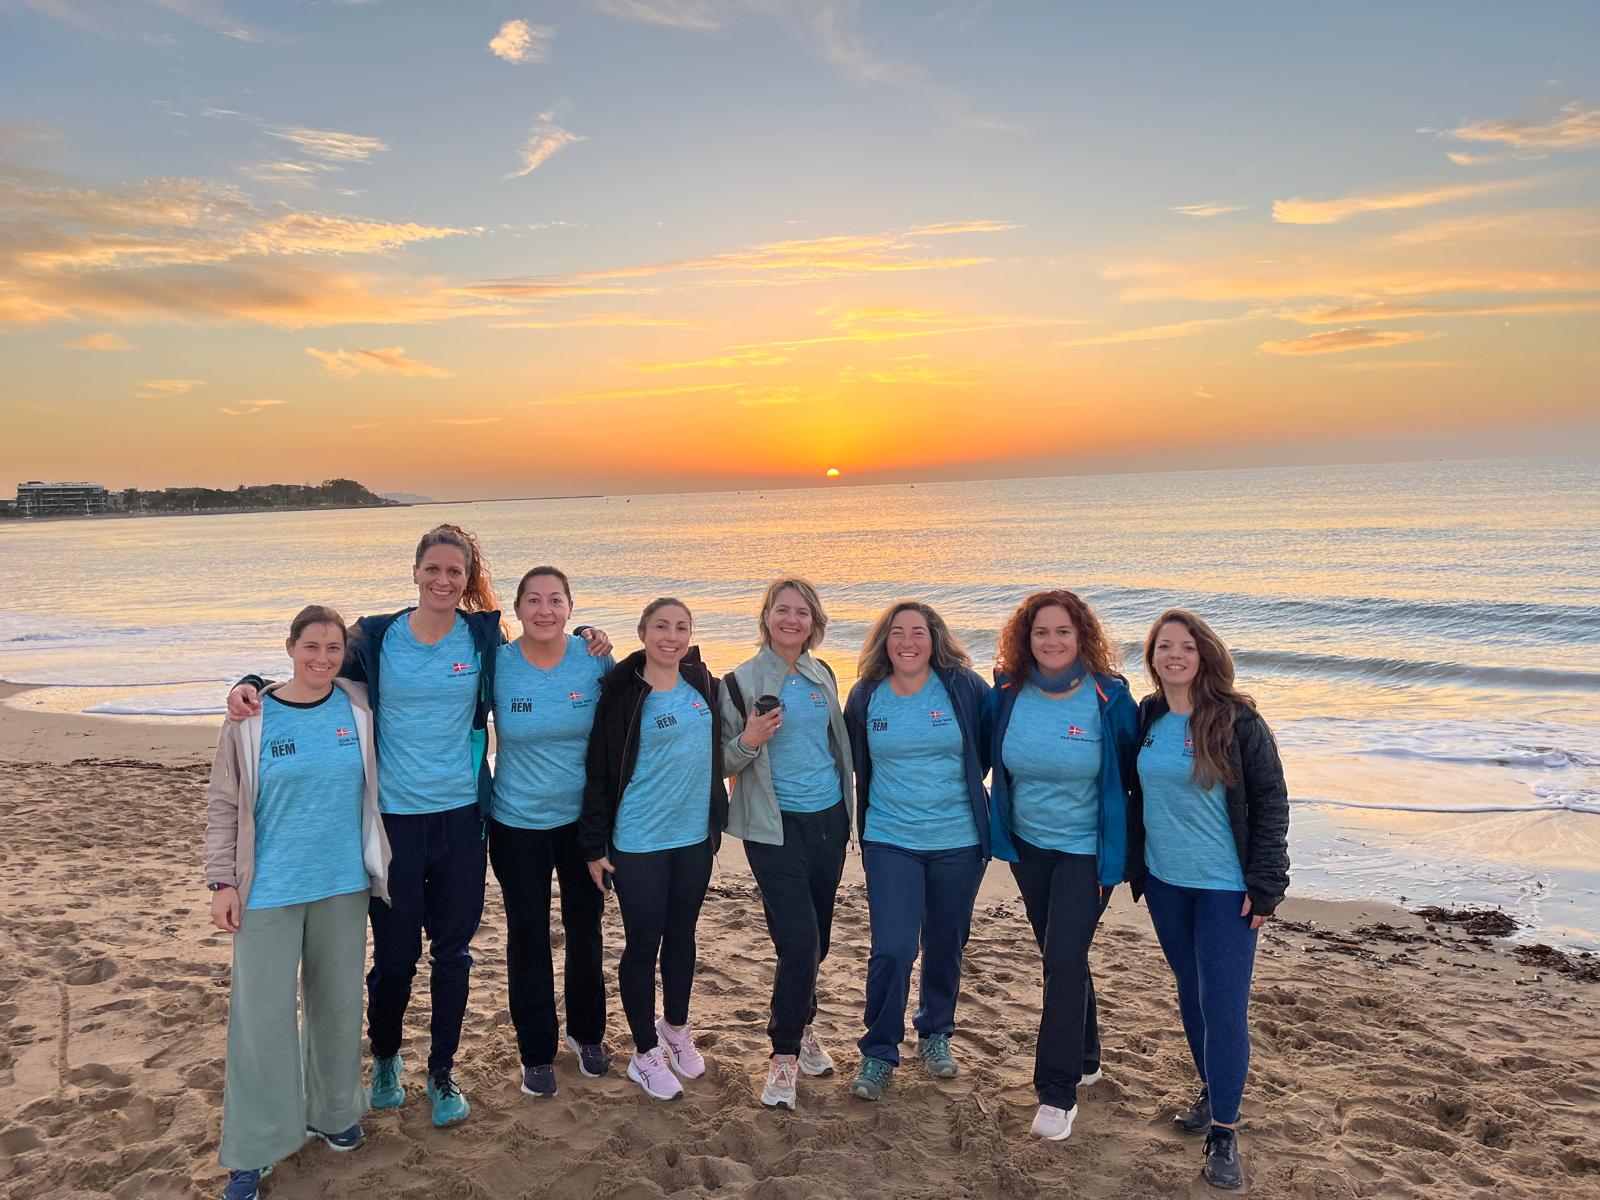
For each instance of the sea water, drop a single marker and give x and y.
(1424, 639)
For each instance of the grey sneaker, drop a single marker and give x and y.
(814, 1060)
(1222, 1169)
(1197, 1117)
(934, 1050)
(780, 1089)
(872, 1079)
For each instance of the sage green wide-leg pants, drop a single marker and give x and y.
(288, 1069)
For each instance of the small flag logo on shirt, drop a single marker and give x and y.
(935, 714)
(344, 733)
(457, 668)
(814, 696)
(1074, 731)
(698, 705)
(574, 695)
(1188, 743)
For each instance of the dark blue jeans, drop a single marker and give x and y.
(436, 883)
(918, 899)
(1212, 951)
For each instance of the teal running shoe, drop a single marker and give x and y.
(449, 1105)
(871, 1079)
(386, 1091)
(934, 1050)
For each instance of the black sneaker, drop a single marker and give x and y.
(538, 1081)
(1222, 1169)
(1197, 1117)
(593, 1061)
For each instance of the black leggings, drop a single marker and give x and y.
(660, 893)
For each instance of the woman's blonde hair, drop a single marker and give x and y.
(947, 653)
(819, 618)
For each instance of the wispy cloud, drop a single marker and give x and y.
(1338, 341)
(1386, 310)
(249, 408)
(602, 320)
(739, 359)
(293, 174)
(677, 14)
(1399, 365)
(1252, 280)
(948, 228)
(212, 15)
(1521, 223)
(1200, 393)
(521, 42)
(767, 397)
(545, 138)
(464, 420)
(168, 387)
(104, 342)
(1207, 210)
(1572, 128)
(633, 393)
(329, 144)
(1153, 333)
(1328, 212)
(386, 360)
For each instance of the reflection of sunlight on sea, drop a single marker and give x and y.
(1419, 635)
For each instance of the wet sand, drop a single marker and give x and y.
(1391, 1059)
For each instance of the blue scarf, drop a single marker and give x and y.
(1064, 682)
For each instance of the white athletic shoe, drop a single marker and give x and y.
(814, 1060)
(1054, 1123)
(780, 1089)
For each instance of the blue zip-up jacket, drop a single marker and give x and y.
(363, 654)
(1119, 721)
(968, 693)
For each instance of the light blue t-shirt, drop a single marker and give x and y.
(918, 797)
(308, 803)
(541, 726)
(667, 802)
(1053, 752)
(428, 697)
(804, 772)
(1188, 841)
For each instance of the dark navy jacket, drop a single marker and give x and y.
(1119, 723)
(967, 693)
(363, 655)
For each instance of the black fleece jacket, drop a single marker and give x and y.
(614, 749)
(1258, 807)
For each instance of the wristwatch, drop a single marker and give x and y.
(217, 887)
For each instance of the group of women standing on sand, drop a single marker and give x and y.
(360, 790)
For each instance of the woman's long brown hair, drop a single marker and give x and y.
(1014, 654)
(1213, 698)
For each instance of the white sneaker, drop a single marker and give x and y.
(650, 1072)
(1090, 1080)
(1054, 1123)
(814, 1060)
(681, 1052)
(780, 1089)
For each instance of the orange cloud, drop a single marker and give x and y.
(387, 360)
(745, 358)
(1574, 128)
(1208, 210)
(1383, 310)
(151, 389)
(1340, 340)
(603, 320)
(1328, 212)
(1154, 333)
(633, 393)
(104, 342)
(250, 408)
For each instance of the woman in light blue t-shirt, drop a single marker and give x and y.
(1212, 810)
(915, 723)
(546, 689)
(294, 851)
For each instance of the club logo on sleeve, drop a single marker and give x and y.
(579, 699)
(459, 668)
(1077, 733)
(938, 717)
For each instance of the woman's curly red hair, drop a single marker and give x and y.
(1014, 654)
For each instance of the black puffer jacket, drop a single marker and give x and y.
(614, 750)
(1258, 807)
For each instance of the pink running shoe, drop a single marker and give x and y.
(650, 1072)
(679, 1045)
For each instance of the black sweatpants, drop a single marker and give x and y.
(660, 893)
(799, 881)
(1061, 893)
(524, 861)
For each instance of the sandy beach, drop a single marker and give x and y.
(1393, 1058)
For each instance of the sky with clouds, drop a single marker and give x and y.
(634, 245)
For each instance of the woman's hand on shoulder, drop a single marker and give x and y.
(225, 909)
(599, 643)
(243, 701)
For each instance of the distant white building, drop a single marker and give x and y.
(36, 499)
